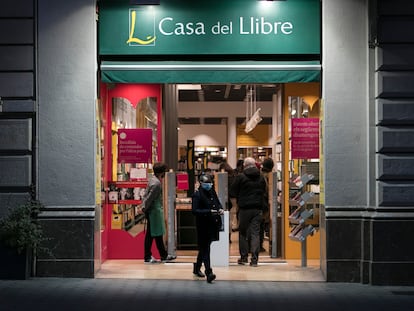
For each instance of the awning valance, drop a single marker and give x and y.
(210, 72)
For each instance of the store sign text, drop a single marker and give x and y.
(168, 26)
(305, 138)
(134, 145)
(249, 26)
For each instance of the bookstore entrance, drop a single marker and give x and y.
(200, 84)
(294, 199)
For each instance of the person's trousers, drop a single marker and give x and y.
(234, 222)
(264, 227)
(249, 233)
(159, 241)
(203, 255)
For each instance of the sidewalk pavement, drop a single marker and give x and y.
(197, 295)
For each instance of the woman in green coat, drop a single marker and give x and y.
(153, 209)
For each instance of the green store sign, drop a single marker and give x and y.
(183, 27)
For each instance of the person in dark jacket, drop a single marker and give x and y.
(239, 166)
(207, 210)
(267, 167)
(249, 189)
(231, 174)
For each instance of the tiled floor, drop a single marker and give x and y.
(269, 269)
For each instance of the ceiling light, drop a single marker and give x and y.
(189, 87)
(227, 91)
(201, 95)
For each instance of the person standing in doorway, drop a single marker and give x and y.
(249, 189)
(239, 166)
(152, 207)
(225, 167)
(234, 213)
(207, 210)
(267, 168)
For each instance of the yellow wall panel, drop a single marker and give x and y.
(256, 138)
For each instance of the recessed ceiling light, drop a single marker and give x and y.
(189, 86)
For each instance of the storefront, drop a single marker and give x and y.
(54, 91)
(145, 50)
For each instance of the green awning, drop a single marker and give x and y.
(210, 72)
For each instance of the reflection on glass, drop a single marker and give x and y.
(127, 189)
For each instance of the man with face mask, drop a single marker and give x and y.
(207, 209)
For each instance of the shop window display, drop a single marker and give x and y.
(134, 131)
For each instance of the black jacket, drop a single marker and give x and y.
(249, 188)
(203, 202)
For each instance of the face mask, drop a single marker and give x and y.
(206, 186)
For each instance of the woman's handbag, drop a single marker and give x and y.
(218, 222)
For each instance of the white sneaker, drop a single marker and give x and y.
(169, 258)
(151, 261)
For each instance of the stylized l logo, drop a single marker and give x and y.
(132, 39)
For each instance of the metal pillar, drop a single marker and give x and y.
(220, 250)
(170, 182)
(222, 188)
(303, 248)
(274, 215)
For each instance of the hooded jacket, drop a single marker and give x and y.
(249, 189)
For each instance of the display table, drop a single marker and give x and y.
(187, 235)
(220, 250)
(186, 227)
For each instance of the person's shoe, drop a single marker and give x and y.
(152, 260)
(253, 264)
(197, 272)
(168, 258)
(210, 276)
(242, 261)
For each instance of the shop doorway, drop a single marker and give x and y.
(220, 59)
(276, 125)
(296, 179)
(220, 135)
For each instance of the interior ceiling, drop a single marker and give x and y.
(226, 92)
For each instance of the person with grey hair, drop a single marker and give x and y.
(248, 189)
